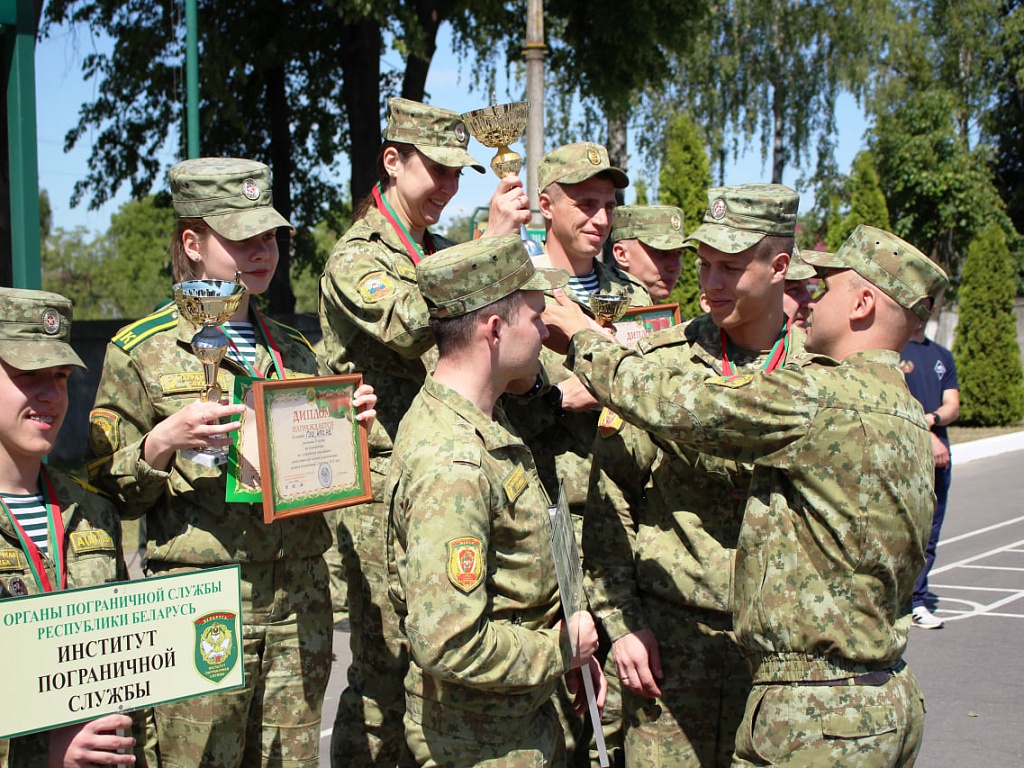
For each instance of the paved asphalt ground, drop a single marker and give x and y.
(971, 670)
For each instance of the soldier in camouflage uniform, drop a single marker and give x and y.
(647, 242)
(469, 554)
(839, 509)
(662, 519)
(374, 319)
(558, 418)
(81, 545)
(148, 411)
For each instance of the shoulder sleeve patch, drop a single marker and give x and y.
(609, 423)
(104, 432)
(95, 540)
(465, 563)
(732, 382)
(376, 287)
(515, 483)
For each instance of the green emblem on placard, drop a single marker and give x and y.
(216, 645)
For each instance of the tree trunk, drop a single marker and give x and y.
(360, 62)
(280, 295)
(617, 133)
(779, 153)
(429, 14)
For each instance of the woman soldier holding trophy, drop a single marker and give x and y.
(157, 442)
(373, 317)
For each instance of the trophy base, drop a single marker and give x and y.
(209, 458)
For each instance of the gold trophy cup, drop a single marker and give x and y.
(609, 307)
(496, 127)
(209, 303)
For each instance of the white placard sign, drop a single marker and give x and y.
(77, 655)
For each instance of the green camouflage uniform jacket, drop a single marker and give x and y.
(662, 519)
(469, 562)
(150, 372)
(374, 318)
(840, 502)
(561, 441)
(92, 535)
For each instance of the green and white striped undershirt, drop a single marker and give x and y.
(243, 336)
(584, 286)
(30, 512)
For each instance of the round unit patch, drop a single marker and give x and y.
(717, 208)
(460, 133)
(675, 223)
(51, 321)
(250, 189)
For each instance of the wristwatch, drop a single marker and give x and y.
(553, 397)
(938, 419)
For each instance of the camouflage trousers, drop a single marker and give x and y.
(286, 646)
(368, 726)
(855, 726)
(454, 738)
(703, 692)
(336, 567)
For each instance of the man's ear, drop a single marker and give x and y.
(865, 303)
(492, 328)
(621, 255)
(544, 205)
(780, 265)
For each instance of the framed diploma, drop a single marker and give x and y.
(313, 454)
(640, 322)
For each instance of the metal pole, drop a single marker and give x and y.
(192, 77)
(534, 52)
(26, 262)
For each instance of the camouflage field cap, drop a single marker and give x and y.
(231, 195)
(740, 216)
(35, 330)
(799, 269)
(659, 226)
(472, 275)
(573, 163)
(884, 260)
(440, 134)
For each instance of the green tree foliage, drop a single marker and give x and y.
(1005, 121)
(73, 265)
(938, 190)
(683, 182)
(867, 203)
(772, 69)
(137, 275)
(986, 351)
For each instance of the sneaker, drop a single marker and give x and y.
(925, 619)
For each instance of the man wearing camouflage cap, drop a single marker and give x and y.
(468, 542)
(374, 320)
(577, 184)
(56, 533)
(662, 519)
(647, 242)
(838, 511)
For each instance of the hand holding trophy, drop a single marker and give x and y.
(208, 303)
(497, 127)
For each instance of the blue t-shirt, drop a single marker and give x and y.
(930, 371)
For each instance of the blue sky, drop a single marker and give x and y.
(60, 92)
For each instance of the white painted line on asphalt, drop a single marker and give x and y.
(994, 568)
(971, 588)
(1000, 615)
(979, 531)
(976, 557)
